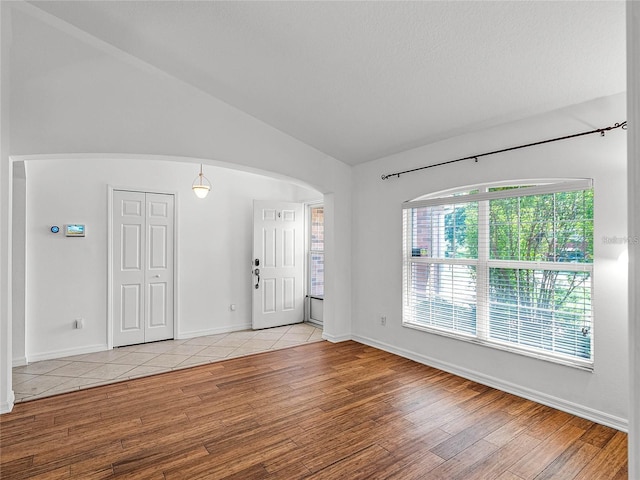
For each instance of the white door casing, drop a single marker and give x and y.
(142, 267)
(278, 245)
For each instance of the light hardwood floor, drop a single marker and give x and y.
(315, 411)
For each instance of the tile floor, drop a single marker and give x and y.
(50, 377)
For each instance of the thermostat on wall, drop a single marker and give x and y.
(74, 230)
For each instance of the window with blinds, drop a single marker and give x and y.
(506, 266)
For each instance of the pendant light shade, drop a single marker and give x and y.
(201, 185)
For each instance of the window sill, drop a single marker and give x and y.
(586, 365)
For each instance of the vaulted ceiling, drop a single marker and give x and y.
(362, 80)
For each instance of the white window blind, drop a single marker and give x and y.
(506, 266)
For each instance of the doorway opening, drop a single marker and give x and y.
(70, 278)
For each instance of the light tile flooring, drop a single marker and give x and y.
(51, 377)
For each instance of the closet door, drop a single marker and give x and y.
(142, 267)
(159, 268)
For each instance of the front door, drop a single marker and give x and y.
(277, 264)
(142, 267)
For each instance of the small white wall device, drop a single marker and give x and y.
(74, 230)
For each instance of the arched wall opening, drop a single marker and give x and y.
(71, 93)
(58, 279)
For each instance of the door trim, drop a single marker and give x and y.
(176, 296)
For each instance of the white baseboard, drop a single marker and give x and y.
(214, 331)
(336, 338)
(67, 352)
(6, 407)
(19, 361)
(533, 395)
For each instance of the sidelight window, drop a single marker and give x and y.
(316, 252)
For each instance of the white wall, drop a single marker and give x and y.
(377, 254)
(67, 277)
(6, 392)
(18, 280)
(633, 110)
(72, 94)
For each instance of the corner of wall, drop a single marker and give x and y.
(7, 405)
(6, 390)
(633, 199)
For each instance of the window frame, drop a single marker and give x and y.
(483, 263)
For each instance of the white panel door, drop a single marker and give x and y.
(278, 277)
(142, 267)
(129, 246)
(159, 268)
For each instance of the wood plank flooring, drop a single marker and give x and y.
(318, 411)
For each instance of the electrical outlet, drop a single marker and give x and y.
(79, 323)
(383, 320)
(232, 307)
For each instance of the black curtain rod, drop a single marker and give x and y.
(601, 131)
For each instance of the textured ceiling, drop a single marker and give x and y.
(362, 80)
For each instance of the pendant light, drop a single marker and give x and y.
(201, 185)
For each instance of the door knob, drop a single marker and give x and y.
(156, 276)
